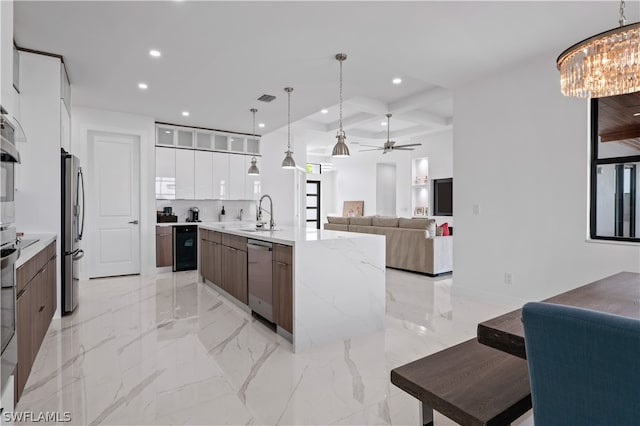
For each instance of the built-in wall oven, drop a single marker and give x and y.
(9, 250)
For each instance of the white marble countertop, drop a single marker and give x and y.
(27, 253)
(286, 235)
(231, 222)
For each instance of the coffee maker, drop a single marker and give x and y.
(194, 215)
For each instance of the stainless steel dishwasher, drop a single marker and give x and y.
(259, 254)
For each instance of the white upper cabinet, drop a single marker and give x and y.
(203, 175)
(65, 127)
(165, 173)
(185, 185)
(6, 56)
(221, 176)
(165, 136)
(237, 174)
(252, 191)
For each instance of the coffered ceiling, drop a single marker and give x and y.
(218, 57)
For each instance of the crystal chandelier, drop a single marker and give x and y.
(341, 149)
(606, 64)
(288, 162)
(253, 169)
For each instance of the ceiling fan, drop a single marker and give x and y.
(390, 145)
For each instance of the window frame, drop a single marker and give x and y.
(595, 162)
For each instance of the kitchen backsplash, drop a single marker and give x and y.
(210, 209)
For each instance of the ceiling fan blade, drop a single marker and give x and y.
(373, 149)
(372, 146)
(410, 144)
(403, 149)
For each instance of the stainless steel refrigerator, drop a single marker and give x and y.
(72, 229)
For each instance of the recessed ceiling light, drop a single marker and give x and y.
(396, 80)
(155, 53)
(143, 86)
(167, 131)
(384, 123)
(636, 114)
(324, 111)
(231, 139)
(261, 125)
(185, 113)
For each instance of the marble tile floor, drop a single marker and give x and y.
(165, 349)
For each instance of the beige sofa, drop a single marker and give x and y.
(409, 244)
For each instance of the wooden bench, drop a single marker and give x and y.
(470, 383)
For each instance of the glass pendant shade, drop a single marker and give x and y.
(340, 150)
(288, 162)
(253, 169)
(606, 64)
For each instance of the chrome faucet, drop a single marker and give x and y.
(260, 223)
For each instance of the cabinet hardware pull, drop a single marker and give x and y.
(41, 309)
(281, 263)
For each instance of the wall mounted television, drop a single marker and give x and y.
(443, 197)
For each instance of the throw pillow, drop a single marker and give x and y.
(431, 227)
(445, 229)
(439, 231)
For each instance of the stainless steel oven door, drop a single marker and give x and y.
(10, 254)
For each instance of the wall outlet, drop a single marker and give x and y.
(507, 278)
(476, 209)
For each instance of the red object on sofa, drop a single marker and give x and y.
(445, 229)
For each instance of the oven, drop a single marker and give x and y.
(10, 253)
(9, 156)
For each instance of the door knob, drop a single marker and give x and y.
(135, 222)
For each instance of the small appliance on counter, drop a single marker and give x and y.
(194, 215)
(223, 215)
(164, 216)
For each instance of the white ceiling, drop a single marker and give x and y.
(218, 57)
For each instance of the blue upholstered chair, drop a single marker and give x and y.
(584, 366)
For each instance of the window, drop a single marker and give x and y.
(615, 168)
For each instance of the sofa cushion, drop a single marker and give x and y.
(360, 220)
(387, 222)
(336, 227)
(431, 228)
(338, 220)
(419, 223)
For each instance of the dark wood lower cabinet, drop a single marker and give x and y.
(283, 286)
(234, 273)
(35, 305)
(164, 246)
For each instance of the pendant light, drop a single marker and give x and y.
(605, 64)
(341, 149)
(253, 169)
(288, 162)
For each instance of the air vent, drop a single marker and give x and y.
(266, 98)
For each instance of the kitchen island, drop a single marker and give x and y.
(327, 285)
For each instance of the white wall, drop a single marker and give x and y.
(386, 189)
(38, 195)
(89, 119)
(278, 183)
(521, 154)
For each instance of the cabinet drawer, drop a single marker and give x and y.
(164, 231)
(282, 253)
(213, 236)
(234, 241)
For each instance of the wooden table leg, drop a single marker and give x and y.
(426, 415)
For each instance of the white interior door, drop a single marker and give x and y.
(114, 204)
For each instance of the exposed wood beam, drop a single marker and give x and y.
(620, 135)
